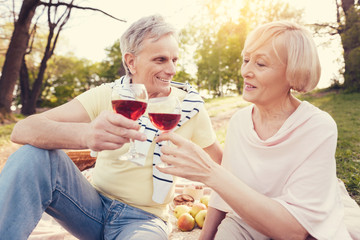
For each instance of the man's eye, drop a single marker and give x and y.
(160, 59)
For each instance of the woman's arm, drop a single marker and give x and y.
(212, 221)
(259, 211)
(69, 126)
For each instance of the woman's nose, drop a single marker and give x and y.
(246, 71)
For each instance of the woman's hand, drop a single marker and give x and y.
(187, 159)
(110, 131)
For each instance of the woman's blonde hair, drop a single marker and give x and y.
(303, 68)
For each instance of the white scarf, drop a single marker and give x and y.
(190, 107)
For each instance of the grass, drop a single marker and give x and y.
(218, 105)
(5, 131)
(344, 108)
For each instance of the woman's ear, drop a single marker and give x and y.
(130, 62)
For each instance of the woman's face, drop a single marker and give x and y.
(265, 75)
(155, 65)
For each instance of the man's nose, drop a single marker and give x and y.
(171, 68)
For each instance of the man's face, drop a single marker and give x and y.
(155, 65)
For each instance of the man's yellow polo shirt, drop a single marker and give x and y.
(126, 181)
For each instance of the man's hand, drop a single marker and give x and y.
(110, 131)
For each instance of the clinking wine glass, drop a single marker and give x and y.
(130, 100)
(164, 114)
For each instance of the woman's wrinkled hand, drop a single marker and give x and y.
(110, 131)
(187, 159)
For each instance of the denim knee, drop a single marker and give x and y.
(32, 161)
(29, 156)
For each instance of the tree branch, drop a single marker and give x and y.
(70, 5)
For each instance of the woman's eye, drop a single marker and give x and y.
(245, 60)
(260, 64)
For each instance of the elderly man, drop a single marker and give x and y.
(124, 200)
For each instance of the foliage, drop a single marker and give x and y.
(183, 76)
(351, 44)
(16, 67)
(111, 68)
(344, 109)
(218, 51)
(67, 77)
(347, 26)
(5, 35)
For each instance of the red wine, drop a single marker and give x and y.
(164, 121)
(129, 108)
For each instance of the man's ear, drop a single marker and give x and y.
(130, 62)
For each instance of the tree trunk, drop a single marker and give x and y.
(14, 55)
(31, 96)
(24, 86)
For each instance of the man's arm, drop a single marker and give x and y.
(69, 127)
(215, 152)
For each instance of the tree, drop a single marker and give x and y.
(14, 56)
(347, 26)
(29, 96)
(15, 67)
(66, 77)
(218, 54)
(349, 30)
(112, 68)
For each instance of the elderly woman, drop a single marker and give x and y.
(278, 177)
(124, 200)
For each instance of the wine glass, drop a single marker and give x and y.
(130, 100)
(164, 114)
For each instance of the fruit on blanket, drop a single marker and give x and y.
(205, 200)
(180, 209)
(197, 207)
(183, 199)
(200, 218)
(186, 222)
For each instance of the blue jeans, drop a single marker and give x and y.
(34, 180)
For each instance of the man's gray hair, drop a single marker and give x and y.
(153, 26)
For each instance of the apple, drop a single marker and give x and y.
(200, 218)
(186, 222)
(180, 209)
(197, 207)
(205, 200)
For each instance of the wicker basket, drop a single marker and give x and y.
(82, 159)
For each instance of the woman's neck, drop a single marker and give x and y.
(269, 118)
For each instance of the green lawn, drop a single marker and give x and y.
(345, 109)
(5, 131)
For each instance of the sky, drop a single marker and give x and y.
(89, 33)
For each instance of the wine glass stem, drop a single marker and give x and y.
(132, 148)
